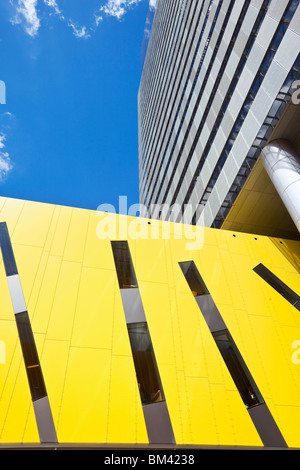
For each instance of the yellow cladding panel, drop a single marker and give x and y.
(96, 254)
(62, 224)
(93, 320)
(156, 300)
(70, 286)
(84, 409)
(33, 224)
(64, 302)
(76, 238)
(54, 372)
(28, 259)
(10, 212)
(46, 293)
(6, 310)
(124, 402)
(150, 261)
(16, 407)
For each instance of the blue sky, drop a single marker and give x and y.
(68, 128)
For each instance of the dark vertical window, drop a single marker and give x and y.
(193, 278)
(124, 266)
(278, 285)
(7, 252)
(33, 369)
(225, 343)
(156, 414)
(145, 363)
(30, 355)
(42, 410)
(238, 369)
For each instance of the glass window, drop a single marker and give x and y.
(280, 32)
(278, 285)
(7, 252)
(33, 369)
(145, 364)
(193, 278)
(269, 56)
(124, 266)
(290, 11)
(238, 369)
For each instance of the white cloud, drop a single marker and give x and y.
(5, 162)
(79, 32)
(26, 10)
(2, 140)
(53, 4)
(152, 3)
(27, 14)
(5, 165)
(118, 8)
(98, 19)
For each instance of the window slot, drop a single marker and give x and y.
(241, 376)
(33, 369)
(41, 405)
(232, 358)
(7, 252)
(193, 278)
(149, 383)
(278, 285)
(155, 409)
(124, 265)
(238, 369)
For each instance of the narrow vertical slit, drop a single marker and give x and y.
(124, 265)
(147, 374)
(41, 405)
(156, 414)
(278, 285)
(31, 359)
(244, 382)
(239, 372)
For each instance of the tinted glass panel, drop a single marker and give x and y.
(7, 252)
(33, 369)
(124, 266)
(193, 278)
(238, 369)
(145, 364)
(278, 285)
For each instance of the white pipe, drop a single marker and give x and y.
(282, 164)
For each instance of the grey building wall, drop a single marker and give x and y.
(216, 79)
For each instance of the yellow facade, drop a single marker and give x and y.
(73, 298)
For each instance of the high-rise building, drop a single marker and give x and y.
(219, 84)
(122, 332)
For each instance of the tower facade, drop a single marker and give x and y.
(216, 82)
